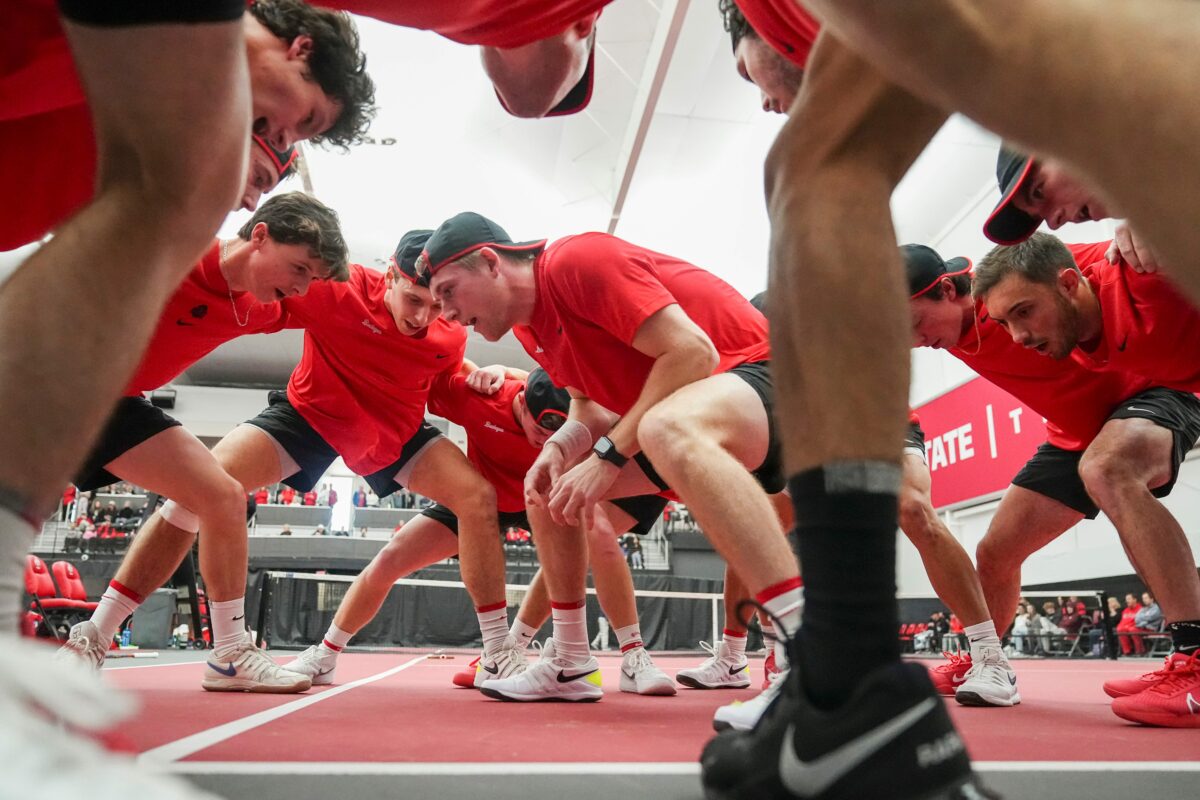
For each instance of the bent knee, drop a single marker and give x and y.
(918, 520)
(664, 434)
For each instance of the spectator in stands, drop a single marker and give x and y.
(286, 530)
(1129, 643)
(323, 495)
(287, 496)
(320, 531)
(634, 547)
(68, 502)
(310, 498)
(262, 496)
(1071, 621)
(1109, 616)
(1022, 629)
(89, 534)
(939, 626)
(341, 532)
(359, 498)
(362, 532)
(1150, 618)
(372, 499)
(110, 511)
(332, 498)
(957, 633)
(1050, 627)
(126, 514)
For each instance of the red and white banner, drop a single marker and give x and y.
(977, 437)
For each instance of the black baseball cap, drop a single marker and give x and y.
(465, 233)
(546, 402)
(580, 95)
(925, 268)
(1008, 224)
(404, 260)
(282, 160)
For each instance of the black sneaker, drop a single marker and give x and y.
(893, 739)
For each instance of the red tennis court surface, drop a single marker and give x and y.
(393, 725)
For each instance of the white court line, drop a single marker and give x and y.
(454, 768)
(182, 748)
(110, 667)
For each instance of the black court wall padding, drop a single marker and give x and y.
(300, 612)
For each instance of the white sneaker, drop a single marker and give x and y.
(317, 662)
(248, 669)
(84, 644)
(549, 679)
(742, 716)
(639, 675)
(41, 699)
(989, 682)
(504, 663)
(722, 671)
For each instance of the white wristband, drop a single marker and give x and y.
(573, 438)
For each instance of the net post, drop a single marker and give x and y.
(716, 630)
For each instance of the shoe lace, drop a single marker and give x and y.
(1177, 672)
(638, 659)
(258, 663)
(712, 654)
(955, 659)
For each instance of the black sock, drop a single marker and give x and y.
(1185, 636)
(846, 537)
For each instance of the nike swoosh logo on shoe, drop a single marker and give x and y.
(494, 669)
(957, 678)
(228, 672)
(736, 670)
(811, 778)
(565, 678)
(1193, 704)
(629, 675)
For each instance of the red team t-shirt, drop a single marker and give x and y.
(361, 383)
(784, 25)
(1075, 401)
(593, 293)
(493, 23)
(496, 442)
(1150, 329)
(198, 318)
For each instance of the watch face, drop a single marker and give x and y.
(603, 446)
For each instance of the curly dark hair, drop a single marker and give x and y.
(336, 62)
(298, 218)
(735, 22)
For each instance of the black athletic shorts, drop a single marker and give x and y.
(770, 472)
(1054, 472)
(126, 13)
(133, 422)
(646, 510)
(313, 454)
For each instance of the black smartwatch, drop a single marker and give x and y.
(605, 450)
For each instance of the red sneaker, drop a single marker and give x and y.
(947, 677)
(770, 669)
(466, 678)
(1171, 702)
(1123, 687)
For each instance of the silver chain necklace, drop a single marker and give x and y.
(225, 257)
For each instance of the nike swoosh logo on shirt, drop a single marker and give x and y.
(228, 672)
(811, 778)
(565, 678)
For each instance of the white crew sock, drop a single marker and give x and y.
(116, 604)
(982, 636)
(228, 619)
(629, 637)
(16, 537)
(570, 631)
(336, 639)
(521, 633)
(493, 625)
(735, 644)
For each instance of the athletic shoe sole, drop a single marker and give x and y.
(692, 683)
(252, 686)
(967, 788)
(558, 698)
(969, 698)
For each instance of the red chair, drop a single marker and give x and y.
(58, 613)
(70, 585)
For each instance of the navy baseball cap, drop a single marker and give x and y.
(404, 260)
(925, 268)
(465, 233)
(546, 402)
(1008, 224)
